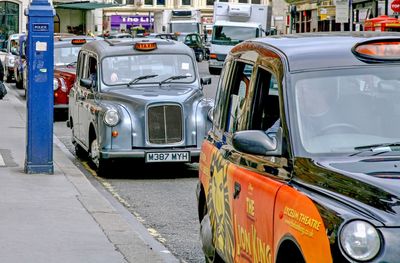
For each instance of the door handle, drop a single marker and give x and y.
(236, 191)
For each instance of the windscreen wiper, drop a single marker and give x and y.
(378, 147)
(173, 78)
(135, 80)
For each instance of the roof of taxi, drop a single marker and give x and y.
(125, 46)
(61, 41)
(322, 50)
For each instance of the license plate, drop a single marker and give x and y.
(167, 157)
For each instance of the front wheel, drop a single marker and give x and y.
(102, 165)
(200, 57)
(214, 71)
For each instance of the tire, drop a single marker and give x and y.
(102, 166)
(18, 84)
(80, 152)
(8, 76)
(215, 258)
(214, 71)
(199, 57)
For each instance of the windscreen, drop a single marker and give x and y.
(185, 27)
(66, 55)
(337, 111)
(232, 35)
(124, 69)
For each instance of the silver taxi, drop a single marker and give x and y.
(136, 98)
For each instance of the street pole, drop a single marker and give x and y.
(351, 15)
(40, 98)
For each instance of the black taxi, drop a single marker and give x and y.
(302, 163)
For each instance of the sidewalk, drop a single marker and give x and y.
(60, 217)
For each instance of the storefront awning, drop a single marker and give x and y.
(84, 5)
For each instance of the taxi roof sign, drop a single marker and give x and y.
(145, 46)
(378, 50)
(78, 41)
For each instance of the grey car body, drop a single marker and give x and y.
(150, 113)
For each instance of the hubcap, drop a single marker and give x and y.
(94, 152)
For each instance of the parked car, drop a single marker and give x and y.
(66, 52)
(116, 35)
(195, 42)
(302, 161)
(163, 36)
(20, 62)
(12, 53)
(66, 49)
(138, 98)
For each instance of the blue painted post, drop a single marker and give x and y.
(39, 103)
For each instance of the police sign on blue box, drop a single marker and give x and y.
(40, 27)
(167, 157)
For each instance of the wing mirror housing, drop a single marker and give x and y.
(258, 142)
(87, 83)
(205, 81)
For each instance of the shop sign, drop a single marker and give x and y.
(342, 11)
(326, 12)
(131, 20)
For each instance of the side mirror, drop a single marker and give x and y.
(87, 83)
(258, 142)
(205, 81)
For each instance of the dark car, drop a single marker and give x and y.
(302, 163)
(195, 42)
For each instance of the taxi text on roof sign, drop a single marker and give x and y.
(78, 41)
(145, 46)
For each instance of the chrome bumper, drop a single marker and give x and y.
(140, 153)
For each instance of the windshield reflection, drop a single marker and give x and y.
(231, 35)
(65, 55)
(123, 69)
(338, 110)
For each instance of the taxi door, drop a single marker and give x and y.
(257, 179)
(84, 99)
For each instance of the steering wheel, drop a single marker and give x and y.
(339, 127)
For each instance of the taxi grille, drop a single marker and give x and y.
(164, 124)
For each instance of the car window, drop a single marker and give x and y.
(338, 110)
(237, 96)
(119, 70)
(265, 108)
(81, 65)
(65, 55)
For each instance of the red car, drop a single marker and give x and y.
(65, 56)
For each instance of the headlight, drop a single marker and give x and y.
(211, 114)
(11, 61)
(360, 240)
(63, 85)
(111, 117)
(55, 84)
